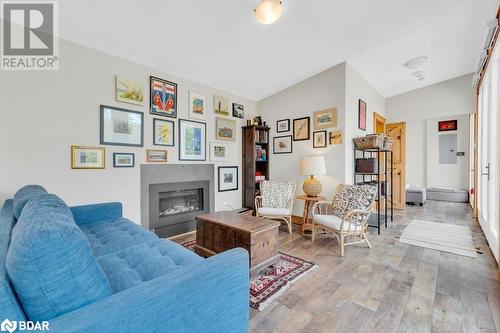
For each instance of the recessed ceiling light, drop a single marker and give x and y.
(268, 11)
(415, 62)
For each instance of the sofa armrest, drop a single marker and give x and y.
(96, 212)
(209, 296)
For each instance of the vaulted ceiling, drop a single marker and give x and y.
(219, 42)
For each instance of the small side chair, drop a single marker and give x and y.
(275, 201)
(347, 215)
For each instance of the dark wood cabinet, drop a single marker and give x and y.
(255, 161)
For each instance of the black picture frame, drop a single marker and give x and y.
(320, 132)
(154, 132)
(283, 152)
(123, 166)
(448, 125)
(362, 111)
(218, 178)
(287, 125)
(180, 140)
(101, 127)
(154, 78)
(308, 128)
(237, 108)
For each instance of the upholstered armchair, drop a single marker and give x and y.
(275, 201)
(347, 215)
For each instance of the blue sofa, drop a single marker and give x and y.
(88, 269)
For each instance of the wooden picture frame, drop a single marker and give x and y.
(362, 115)
(162, 97)
(229, 179)
(286, 141)
(283, 125)
(301, 129)
(447, 125)
(156, 156)
(325, 119)
(84, 157)
(319, 139)
(122, 164)
(121, 127)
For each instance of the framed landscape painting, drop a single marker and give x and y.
(156, 155)
(228, 178)
(362, 115)
(123, 160)
(197, 105)
(325, 119)
(283, 125)
(163, 132)
(282, 144)
(163, 97)
(121, 127)
(88, 157)
(219, 152)
(221, 105)
(225, 129)
(192, 140)
(129, 91)
(301, 129)
(319, 139)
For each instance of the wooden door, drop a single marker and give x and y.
(397, 132)
(378, 123)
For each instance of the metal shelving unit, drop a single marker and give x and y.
(376, 179)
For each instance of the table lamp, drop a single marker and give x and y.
(312, 166)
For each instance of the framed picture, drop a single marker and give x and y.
(192, 140)
(335, 137)
(123, 160)
(447, 125)
(163, 97)
(301, 129)
(219, 152)
(225, 129)
(283, 125)
(238, 110)
(228, 178)
(156, 155)
(319, 139)
(129, 91)
(325, 119)
(362, 115)
(121, 127)
(197, 105)
(282, 144)
(163, 132)
(221, 105)
(88, 157)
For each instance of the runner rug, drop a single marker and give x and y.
(270, 284)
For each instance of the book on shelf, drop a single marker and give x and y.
(261, 136)
(260, 153)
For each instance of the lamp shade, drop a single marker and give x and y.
(313, 165)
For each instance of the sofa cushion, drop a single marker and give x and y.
(276, 194)
(24, 194)
(334, 222)
(50, 262)
(145, 262)
(266, 211)
(111, 236)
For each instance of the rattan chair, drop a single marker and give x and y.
(275, 201)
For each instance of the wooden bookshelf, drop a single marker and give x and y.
(255, 161)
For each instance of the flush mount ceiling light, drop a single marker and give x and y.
(268, 11)
(415, 62)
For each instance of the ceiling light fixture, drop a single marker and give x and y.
(268, 11)
(415, 62)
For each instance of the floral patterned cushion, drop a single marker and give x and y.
(276, 194)
(352, 197)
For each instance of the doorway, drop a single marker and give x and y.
(378, 123)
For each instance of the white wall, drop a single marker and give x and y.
(416, 155)
(43, 113)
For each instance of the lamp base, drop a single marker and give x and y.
(312, 187)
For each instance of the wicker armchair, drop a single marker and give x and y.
(346, 216)
(275, 201)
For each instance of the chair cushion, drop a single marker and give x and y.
(276, 194)
(50, 262)
(111, 236)
(332, 222)
(273, 211)
(24, 195)
(352, 197)
(145, 262)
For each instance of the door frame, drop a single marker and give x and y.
(378, 119)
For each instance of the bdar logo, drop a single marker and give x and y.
(9, 326)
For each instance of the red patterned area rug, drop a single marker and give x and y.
(270, 284)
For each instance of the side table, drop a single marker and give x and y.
(308, 203)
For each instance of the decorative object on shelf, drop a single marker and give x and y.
(123, 160)
(228, 178)
(369, 141)
(319, 139)
(192, 140)
(282, 125)
(325, 119)
(238, 110)
(163, 132)
(163, 97)
(121, 127)
(225, 129)
(301, 129)
(156, 155)
(335, 137)
(249, 122)
(362, 115)
(197, 105)
(282, 144)
(257, 121)
(219, 152)
(447, 125)
(88, 157)
(221, 105)
(129, 90)
(311, 166)
(260, 153)
(268, 11)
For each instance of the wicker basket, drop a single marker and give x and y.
(366, 165)
(369, 141)
(387, 143)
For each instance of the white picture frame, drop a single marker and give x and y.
(220, 152)
(197, 106)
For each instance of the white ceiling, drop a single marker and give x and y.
(219, 43)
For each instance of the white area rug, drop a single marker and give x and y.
(450, 238)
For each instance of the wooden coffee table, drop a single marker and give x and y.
(218, 232)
